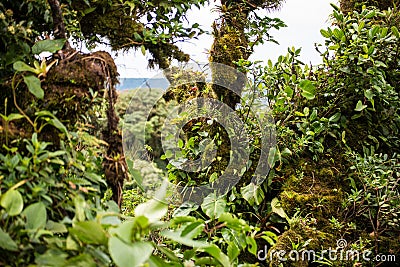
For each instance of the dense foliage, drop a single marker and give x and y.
(149, 25)
(335, 168)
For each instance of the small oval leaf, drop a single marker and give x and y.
(34, 87)
(12, 202)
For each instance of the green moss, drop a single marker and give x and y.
(311, 195)
(300, 237)
(227, 48)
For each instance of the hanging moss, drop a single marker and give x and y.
(68, 84)
(68, 87)
(230, 45)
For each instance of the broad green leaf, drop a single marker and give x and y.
(12, 202)
(181, 219)
(102, 257)
(155, 261)
(94, 177)
(176, 236)
(52, 258)
(306, 111)
(22, 66)
(89, 232)
(308, 89)
(217, 254)
(56, 227)
(14, 116)
(36, 216)
(214, 177)
(213, 206)
(52, 120)
(44, 113)
(170, 254)
(233, 222)
(252, 193)
(180, 143)
(193, 229)
(334, 47)
(129, 255)
(277, 208)
(270, 237)
(371, 50)
(6, 242)
(233, 251)
(89, 10)
(189, 254)
(34, 87)
(153, 209)
(125, 230)
(51, 46)
(360, 106)
(58, 124)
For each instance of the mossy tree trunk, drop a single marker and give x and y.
(114, 164)
(231, 45)
(352, 5)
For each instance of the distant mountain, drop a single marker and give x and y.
(133, 83)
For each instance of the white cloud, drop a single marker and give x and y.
(303, 18)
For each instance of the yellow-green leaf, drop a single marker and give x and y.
(21, 66)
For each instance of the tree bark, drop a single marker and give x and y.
(58, 22)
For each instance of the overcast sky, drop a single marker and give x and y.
(304, 19)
